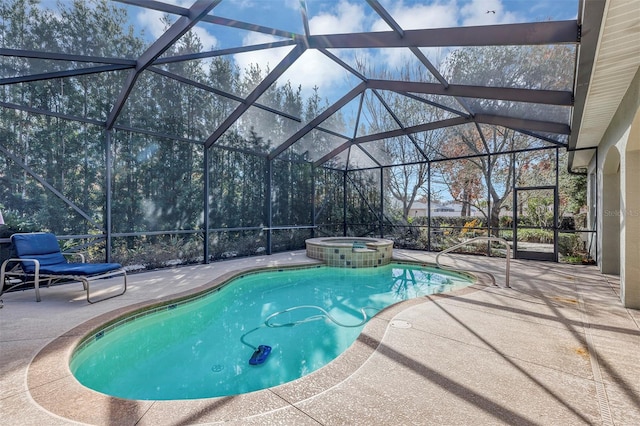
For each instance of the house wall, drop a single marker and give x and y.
(618, 165)
(631, 224)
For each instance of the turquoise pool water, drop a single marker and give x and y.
(201, 348)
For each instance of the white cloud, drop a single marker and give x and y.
(436, 15)
(312, 68)
(486, 12)
(152, 23)
(244, 4)
(347, 18)
(265, 58)
(208, 41)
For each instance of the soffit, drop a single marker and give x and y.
(616, 62)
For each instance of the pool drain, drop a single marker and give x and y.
(217, 368)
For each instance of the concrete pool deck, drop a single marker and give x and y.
(556, 348)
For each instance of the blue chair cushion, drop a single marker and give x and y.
(84, 269)
(45, 249)
(40, 246)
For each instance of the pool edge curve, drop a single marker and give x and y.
(52, 385)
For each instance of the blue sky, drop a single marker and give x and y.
(341, 16)
(335, 16)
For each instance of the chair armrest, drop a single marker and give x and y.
(18, 260)
(71, 255)
(4, 274)
(5, 263)
(36, 275)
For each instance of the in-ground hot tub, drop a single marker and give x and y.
(350, 252)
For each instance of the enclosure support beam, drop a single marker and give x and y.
(429, 206)
(400, 124)
(515, 205)
(556, 206)
(408, 131)
(223, 52)
(313, 201)
(49, 187)
(271, 78)
(344, 203)
(319, 119)
(108, 189)
(62, 74)
(205, 207)
(199, 9)
(522, 123)
(57, 56)
(536, 33)
(50, 113)
(547, 97)
(268, 202)
(381, 202)
(489, 184)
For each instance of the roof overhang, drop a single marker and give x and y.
(608, 60)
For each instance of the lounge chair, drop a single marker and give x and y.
(39, 259)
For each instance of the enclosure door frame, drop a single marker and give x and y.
(532, 254)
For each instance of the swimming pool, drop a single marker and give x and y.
(201, 348)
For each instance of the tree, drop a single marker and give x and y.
(411, 153)
(572, 190)
(499, 66)
(68, 155)
(472, 179)
(463, 178)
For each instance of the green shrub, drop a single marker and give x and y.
(569, 244)
(458, 221)
(574, 260)
(544, 236)
(506, 222)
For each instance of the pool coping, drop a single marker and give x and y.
(53, 386)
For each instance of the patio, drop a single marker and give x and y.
(556, 348)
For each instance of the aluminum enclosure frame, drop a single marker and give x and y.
(526, 34)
